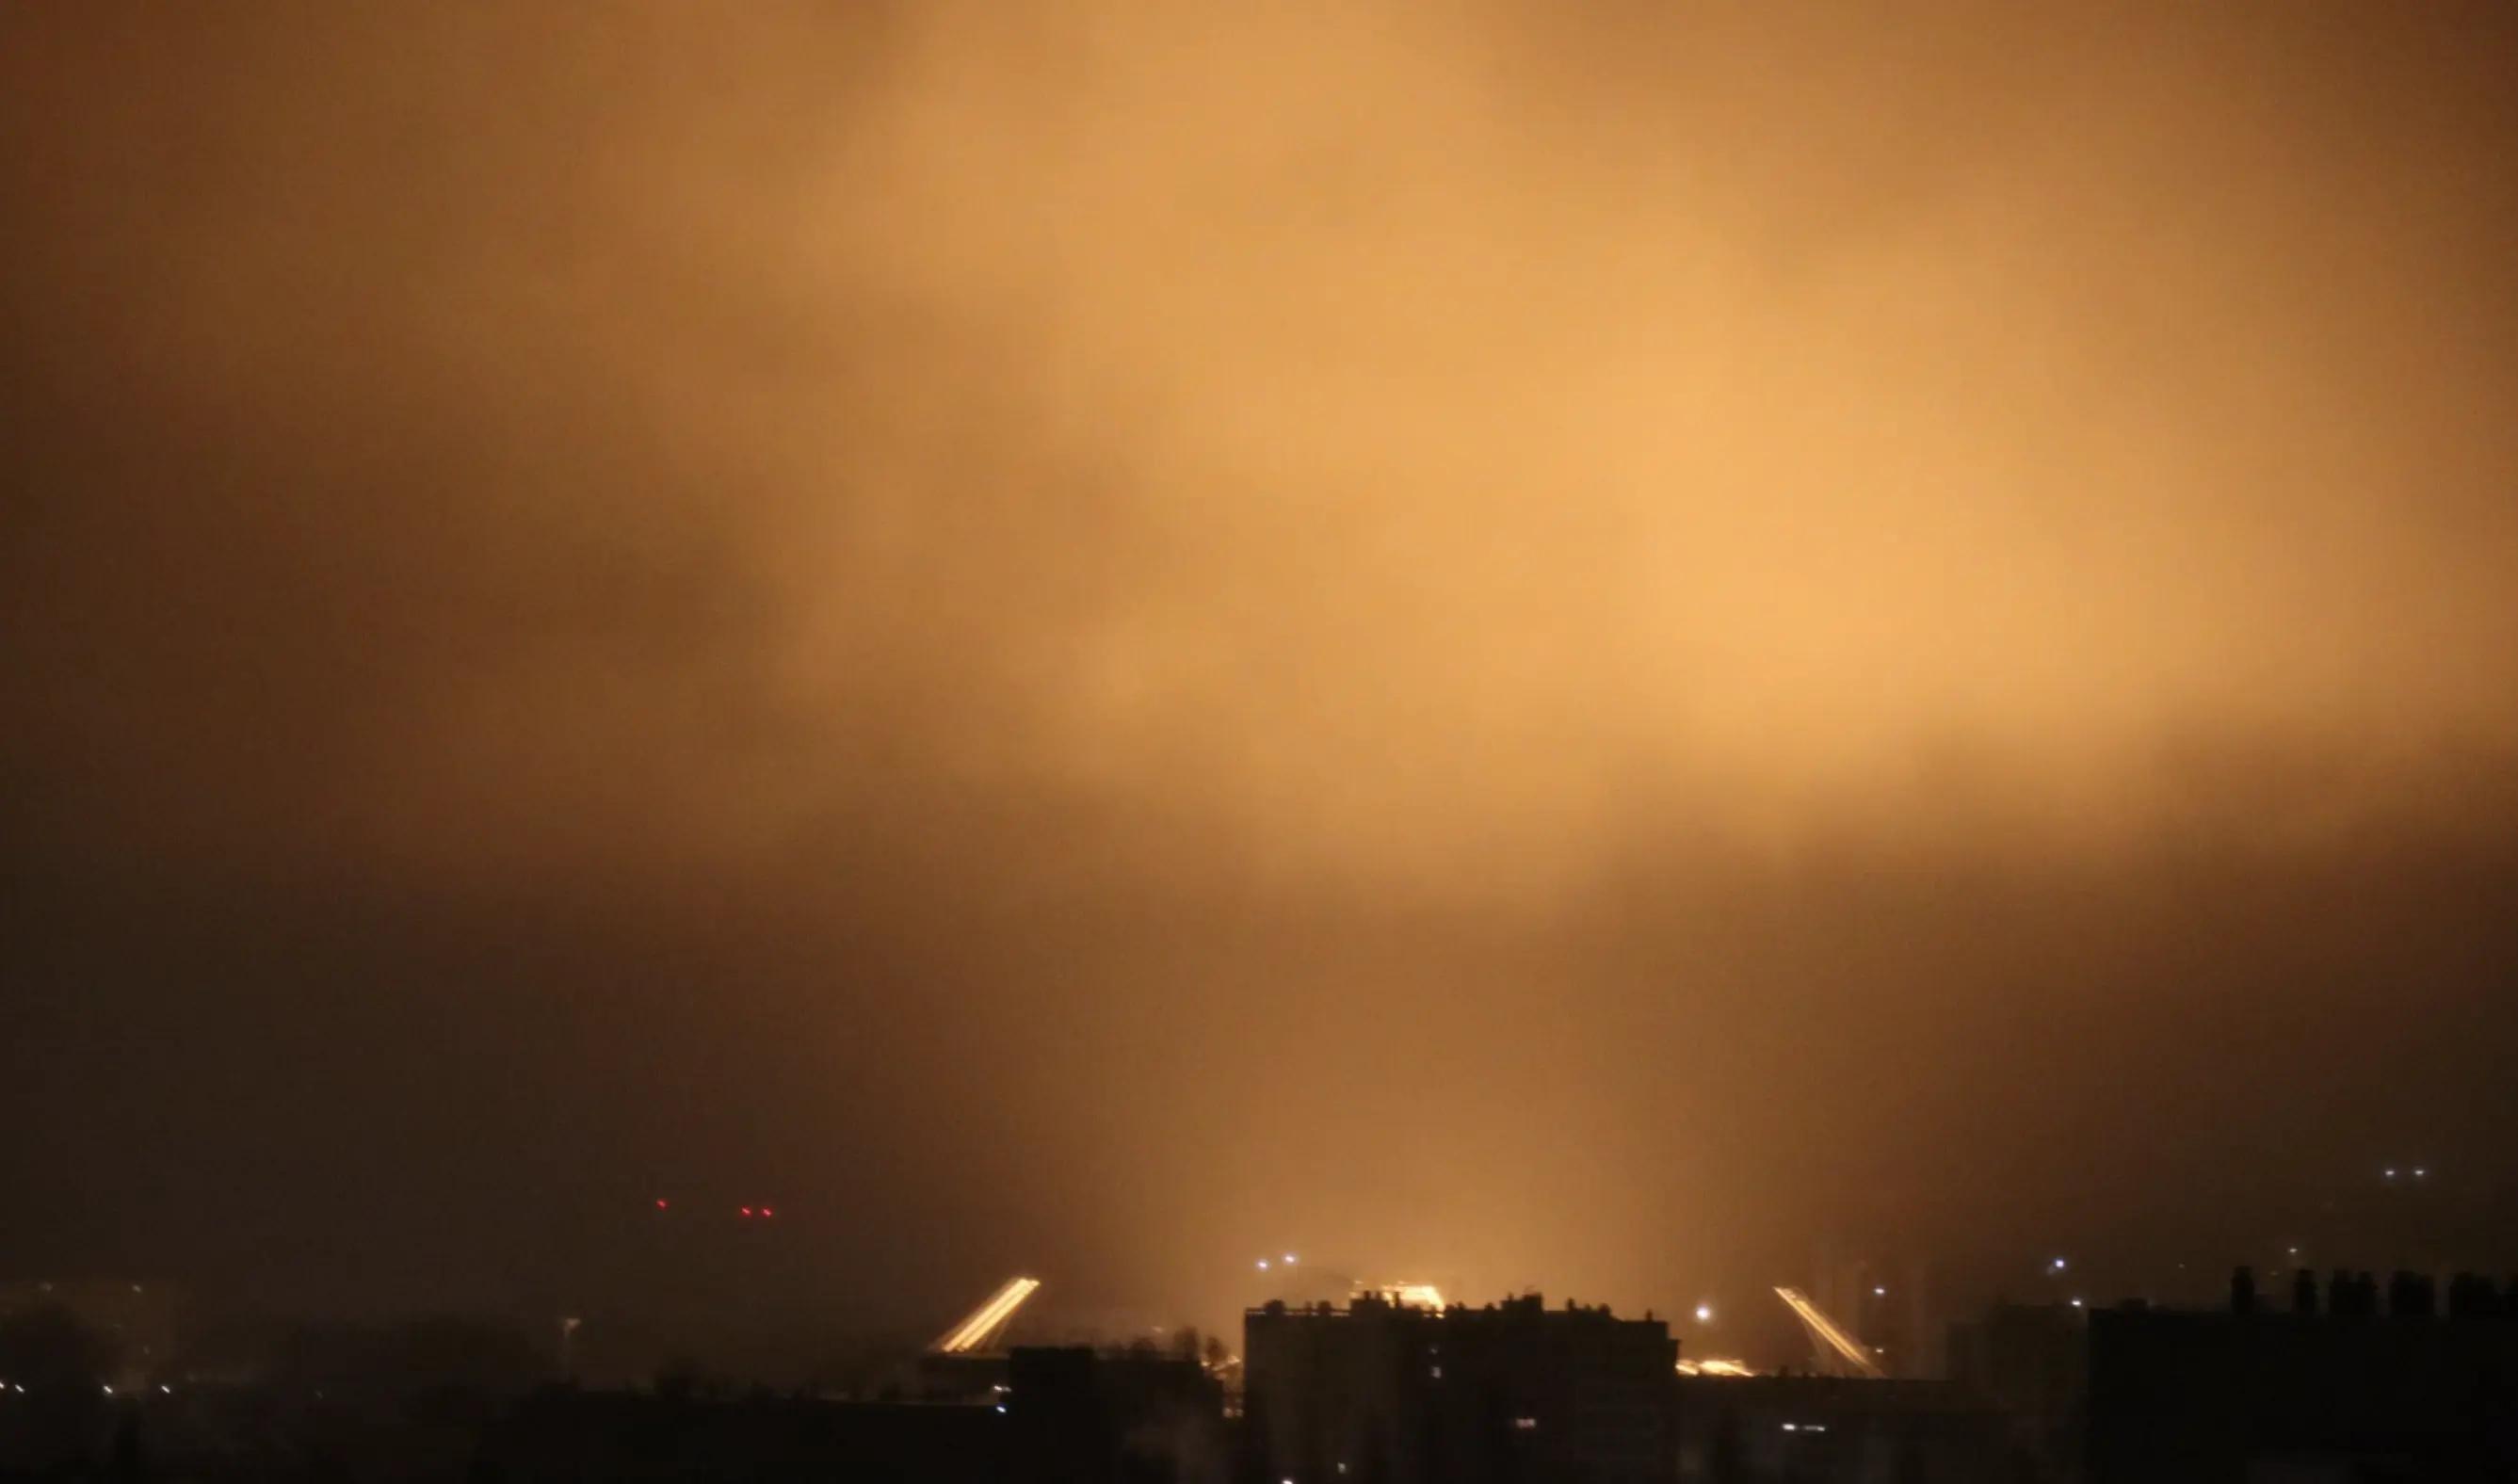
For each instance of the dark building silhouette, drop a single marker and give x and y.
(2029, 1363)
(1807, 1429)
(1379, 1393)
(971, 1380)
(1066, 1417)
(566, 1435)
(1116, 1417)
(2349, 1394)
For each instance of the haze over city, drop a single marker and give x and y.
(1508, 645)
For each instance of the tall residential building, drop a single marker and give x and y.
(1388, 1393)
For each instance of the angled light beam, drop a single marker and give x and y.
(1826, 1330)
(988, 1319)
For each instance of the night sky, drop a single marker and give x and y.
(1580, 646)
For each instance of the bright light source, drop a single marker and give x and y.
(1263, 1264)
(746, 1211)
(1705, 1314)
(2076, 1303)
(662, 1203)
(108, 1391)
(1001, 1406)
(767, 1211)
(2391, 1172)
(1289, 1259)
(2057, 1266)
(1825, 1330)
(1713, 1366)
(2421, 1173)
(989, 1317)
(163, 1386)
(1878, 1293)
(1792, 1426)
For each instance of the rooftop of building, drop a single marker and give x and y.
(1520, 1307)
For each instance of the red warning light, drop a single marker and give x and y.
(767, 1211)
(746, 1210)
(660, 1202)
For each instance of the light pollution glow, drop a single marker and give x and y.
(1559, 644)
